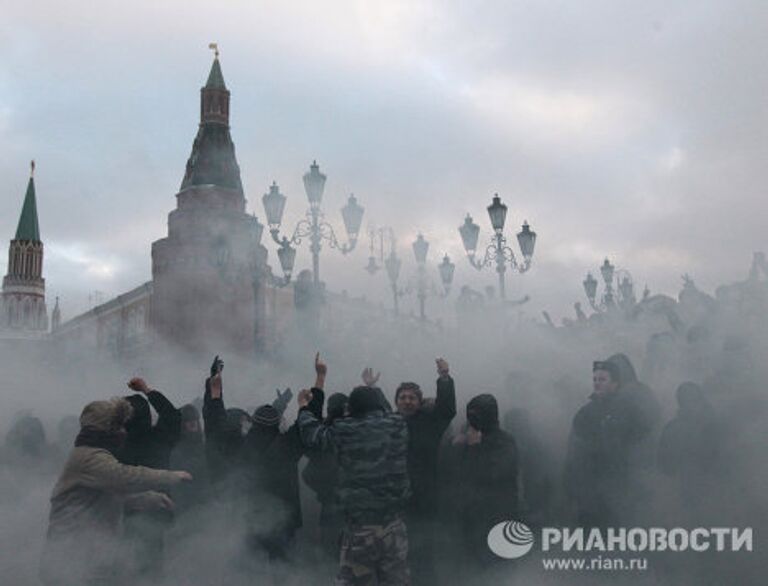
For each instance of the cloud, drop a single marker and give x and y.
(612, 127)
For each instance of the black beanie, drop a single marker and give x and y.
(337, 403)
(363, 400)
(266, 415)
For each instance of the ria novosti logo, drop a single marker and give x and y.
(510, 539)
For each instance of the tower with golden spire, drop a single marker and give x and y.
(207, 273)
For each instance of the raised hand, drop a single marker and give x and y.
(283, 399)
(305, 396)
(217, 366)
(442, 367)
(320, 367)
(369, 379)
(139, 385)
(320, 370)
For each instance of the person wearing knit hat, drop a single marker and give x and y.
(266, 415)
(87, 501)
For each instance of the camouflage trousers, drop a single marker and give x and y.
(374, 555)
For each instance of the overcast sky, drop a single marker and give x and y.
(636, 130)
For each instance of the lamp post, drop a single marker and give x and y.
(313, 226)
(498, 252)
(618, 284)
(422, 285)
(384, 233)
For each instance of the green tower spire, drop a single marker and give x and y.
(28, 228)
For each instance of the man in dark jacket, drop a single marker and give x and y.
(371, 447)
(427, 421)
(189, 454)
(689, 450)
(150, 446)
(321, 474)
(603, 433)
(483, 461)
(270, 462)
(224, 431)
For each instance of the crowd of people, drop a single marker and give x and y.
(407, 485)
(403, 493)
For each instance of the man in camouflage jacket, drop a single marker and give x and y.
(371, 447)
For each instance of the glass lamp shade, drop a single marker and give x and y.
(372, 266)
(607, 271)
(626, 289)
(274, 206)
(314, 184)
(352, 214)
(527, 241)
(446, 269)
(287, 256)
(393, 265)
(497, 211)
(470, 232)
(420, 249)
(590, 286)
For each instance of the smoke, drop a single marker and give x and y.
(540, 375)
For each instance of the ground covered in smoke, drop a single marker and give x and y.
(541, 371)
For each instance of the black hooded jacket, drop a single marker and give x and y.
(145, 444)
(425, 430)
(484, 476)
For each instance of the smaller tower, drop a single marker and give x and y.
(23, 295)
(56, 316)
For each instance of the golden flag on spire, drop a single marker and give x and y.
(215, 47)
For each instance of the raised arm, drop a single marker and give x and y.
(104, 472)
(445, 401)
(370, 380)
(214, 412)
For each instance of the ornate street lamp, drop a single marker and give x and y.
(618, 286)
(420, 283)
(313, 226)
(498, 252)
(446, 268)
(384, 233)
(423, 286)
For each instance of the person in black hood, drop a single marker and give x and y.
(603, 434)
(689, 450)
(427, 421)
(189, 454)
(641, 396)
(149, 446)
(483, 461)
